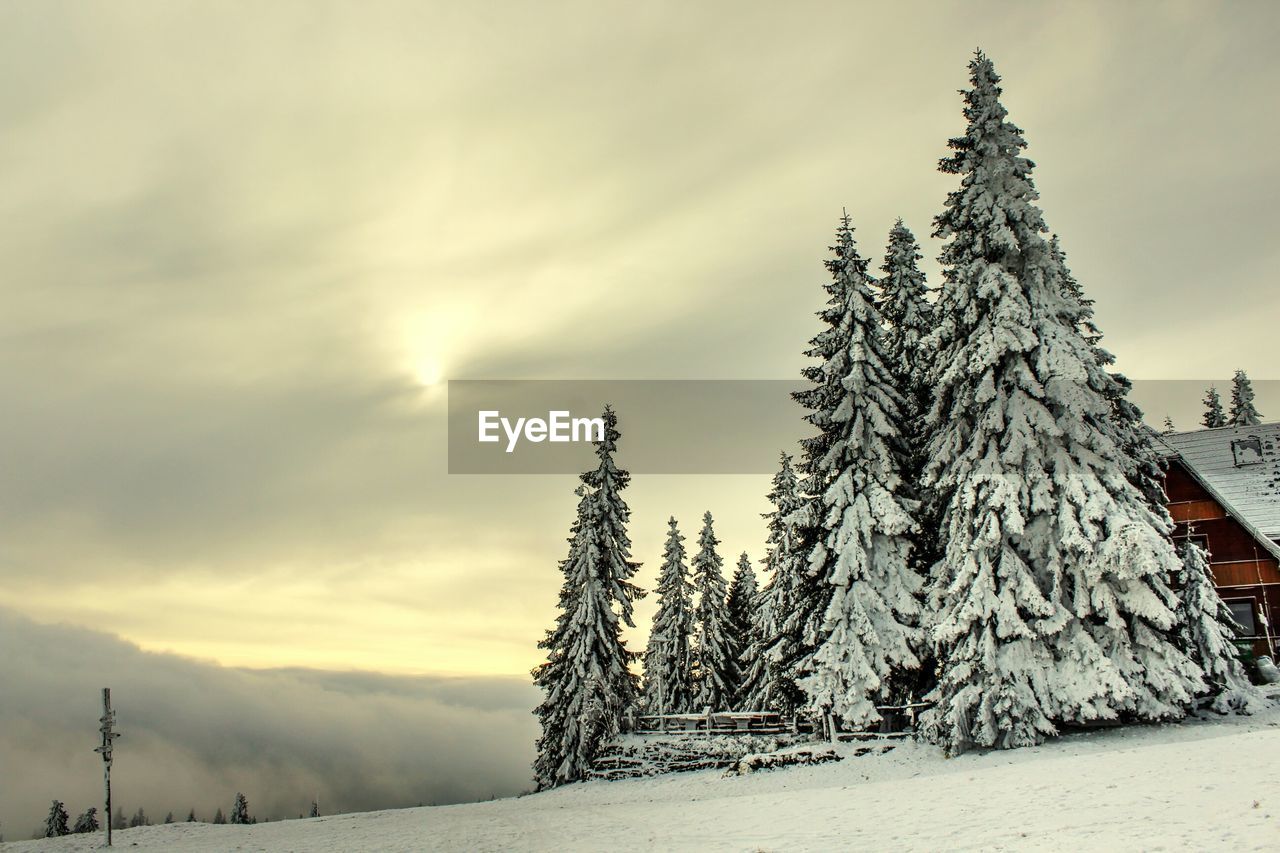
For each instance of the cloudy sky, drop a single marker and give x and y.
(244, 246)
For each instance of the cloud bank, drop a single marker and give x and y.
(195, 733)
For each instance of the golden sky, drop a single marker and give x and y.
(245, 243)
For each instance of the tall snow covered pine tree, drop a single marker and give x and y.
(869, 634)
(586, 679)
(1051, 595)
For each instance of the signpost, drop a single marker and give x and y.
(108, 735)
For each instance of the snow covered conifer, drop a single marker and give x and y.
(869, 633)
(1243, 412)
(586, 680)
(1167, 426)
(87, 822)
(668, 665)
(1208, 630)
(315, 809)
(55, 824)
(909, 318)
(218, 817)
(1052, 603)
(240, 811)
(715, 651)
(769, 683)
(1214, 417)
(743, 627)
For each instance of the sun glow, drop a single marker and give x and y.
(429, 371)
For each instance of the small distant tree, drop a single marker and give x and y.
(1167, 428)
(219, 817)
(191, 816)
(240, 811)
(56, 823)
(744, 596)
(668, 684)
(1213, 414)
(715, 652)
(168, 818)
(87, 822)
(1208, 631)
(1243, 412)
(119, 821)
(315, 809)
(139, 819)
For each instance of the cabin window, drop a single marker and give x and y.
(1242, 612)
(1247, 451)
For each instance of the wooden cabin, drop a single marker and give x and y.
(1223, 490)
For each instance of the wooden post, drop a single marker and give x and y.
(108, 735)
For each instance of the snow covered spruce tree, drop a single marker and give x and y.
(743, 628)
(908, 317)
(1051, 598)
(869, 633)
(586, 678)
(240, 810)
(769, 684)
(1214, 417)
(55, 824)
(1208, 630)
(715, 650)
(87, 822)
(1243, 412)
(668, 666)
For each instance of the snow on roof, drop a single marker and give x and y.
(1241, 465)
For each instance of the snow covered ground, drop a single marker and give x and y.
(1199, 785)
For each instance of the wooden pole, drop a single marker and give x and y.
(108, 735)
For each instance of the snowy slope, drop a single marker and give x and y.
(1199, 785)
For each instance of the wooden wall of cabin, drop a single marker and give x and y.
(1241, 569)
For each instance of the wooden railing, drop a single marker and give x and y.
(894, 719)
(721, 722)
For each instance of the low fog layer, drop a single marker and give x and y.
(196, 733)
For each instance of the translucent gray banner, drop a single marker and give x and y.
(691, 426)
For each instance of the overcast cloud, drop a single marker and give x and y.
(243, 244)
(194, 733)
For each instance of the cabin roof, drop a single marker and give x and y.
(1240, 466)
